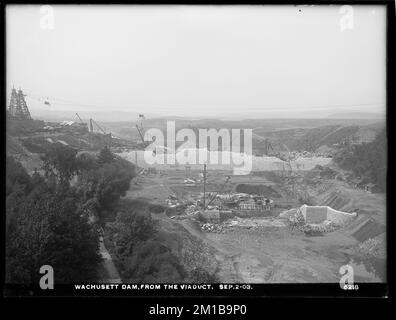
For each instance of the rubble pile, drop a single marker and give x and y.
(242, 223)
(212, 227)
(172, 201)
(319, 229)
(297, 221)
(256, 222)
(191, 209)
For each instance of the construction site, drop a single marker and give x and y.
(260, 221)
(296, 217)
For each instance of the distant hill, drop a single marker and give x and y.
(356, 115)
(312, 139)
(295, 134)
(69, 115)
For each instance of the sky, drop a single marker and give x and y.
(198, 61)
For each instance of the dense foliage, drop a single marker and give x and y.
(367, 161)
(49, 217)
(60, 162)
(102, 183)
(147, 250)
(141, 256)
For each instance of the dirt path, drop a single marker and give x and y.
(112, 273)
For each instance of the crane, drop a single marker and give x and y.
(140, 133)
(269, 149)
(286, 156)
(268, 146)
(219, 191)
(93, 122)
(79, 118)
(140, 129)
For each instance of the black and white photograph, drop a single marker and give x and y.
(198, 147)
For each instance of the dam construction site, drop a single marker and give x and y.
(296, 217)
(266, 228)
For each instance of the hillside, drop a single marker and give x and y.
(312, 139)
(172, 252)
(367, 161)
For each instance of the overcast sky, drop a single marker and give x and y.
(270, 61)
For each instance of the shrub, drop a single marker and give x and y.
(152, 262)
(130, 228)
(369, 248)
(45, 227)
(200, 275)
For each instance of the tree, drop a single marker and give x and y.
(15, 175)
(45, 226)
(152, 262)
(60, 162)
(47, 218)
(48, 229)
(105, 156)
(86, 162)
(106, 184)
(129, 228)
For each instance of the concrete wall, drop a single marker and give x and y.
(314, 214)
(318, 214)
(339, 217)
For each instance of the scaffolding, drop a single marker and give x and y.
(18, 107)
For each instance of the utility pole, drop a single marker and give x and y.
(204, 179)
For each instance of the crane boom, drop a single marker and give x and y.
(215, 195)
(79, 118)
(92, 121)
(140, 134)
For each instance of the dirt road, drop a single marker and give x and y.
(112, 275)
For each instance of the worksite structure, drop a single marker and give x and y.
(18, 108)
(318, 214)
